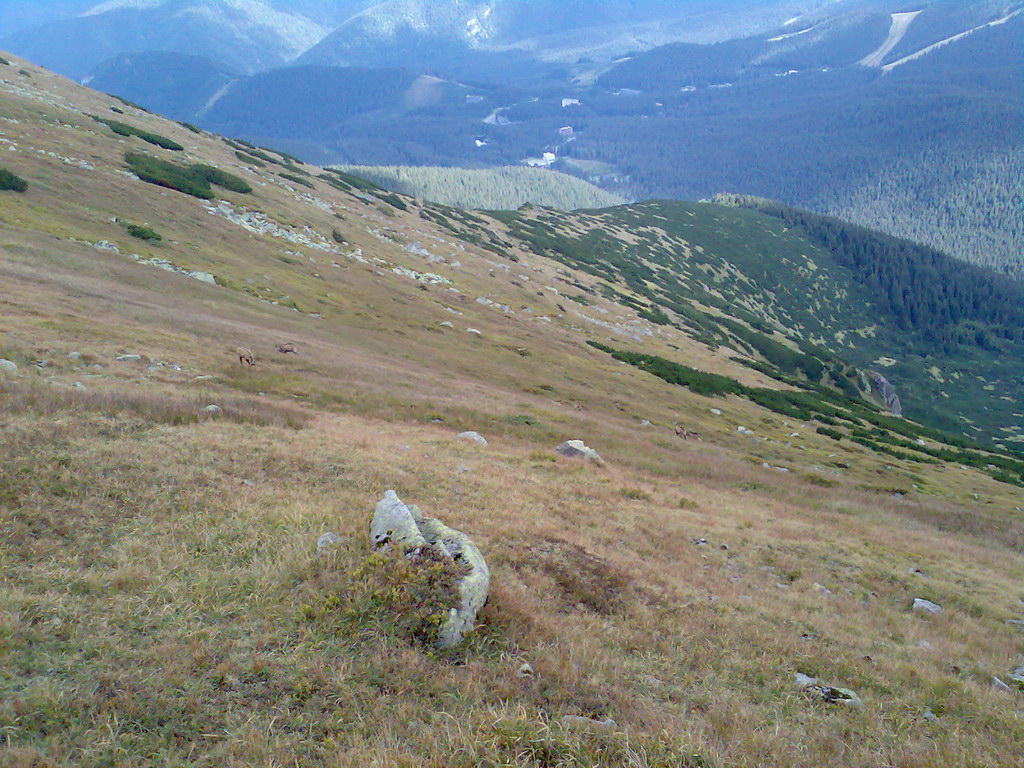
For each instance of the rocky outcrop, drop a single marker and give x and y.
(403, 527)
(879, 388)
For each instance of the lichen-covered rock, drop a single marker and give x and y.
(926, 606)
(880, 389)
(397, 525)
(577, 449)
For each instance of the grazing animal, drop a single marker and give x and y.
(245, 357)
(288, 347)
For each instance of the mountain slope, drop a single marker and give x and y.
(162, 594)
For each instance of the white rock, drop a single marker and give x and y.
(474, 437)
(999, 685)
(326, 541)
(525, 670)
(578, 449)
(212, 409)
(474, 331)
(926, 606)
(575, 721)
(128, 358)
(446, 324)
(715, 412)
(74, 355)
(7, 366)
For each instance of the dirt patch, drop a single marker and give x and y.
(583, 579)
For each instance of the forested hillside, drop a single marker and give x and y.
(493, 189)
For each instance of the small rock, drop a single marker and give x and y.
(700, 542)
(6, 366)
(830, 694)
(715, 412)
(78, 385)
(924, 645)
(128, 358)
(446, 324)
(917, 572)
(1015, 622)
(474, 437)
(525, 670)
(326, 541)
(578, 449)
(575, 721)
(248, 483)
(824, 590)
(1018, 675)
(462, 469)
(645, 423)
(212, 409)
(207, 378)
(999, 685)
(926, 606)
(74, 355)
(929, 716)
(474, 331)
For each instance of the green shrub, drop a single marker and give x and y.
(143, 233)
(403, 596)
(192, 180)
(8, 181)
(123, 129)
(338, 237)
(250, 159)
(4, 61)
(190, 127)
(297, 180)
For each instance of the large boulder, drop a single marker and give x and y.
(577, 449)
(397, 525)
(881, 390)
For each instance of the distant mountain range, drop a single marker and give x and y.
(904, 118)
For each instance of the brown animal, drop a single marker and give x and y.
(245, 357)
(289, 347)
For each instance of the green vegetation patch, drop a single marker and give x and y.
(12, 182)
(297, 180)
(247, 158)
(192, 180)
(143, 233)
(123, 129)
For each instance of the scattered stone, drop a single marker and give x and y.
(1018, 675)
(474, 331)
(716, 412)
(824, 590)
(577, 449)
(395, 524)
(212, 409)
(524, 671)
(474, 437)
(645, 423)
(929, 716)
(999, 685)
(128, 358)
(7, 366)
(462, 469)
(74, 355)
(926, 606)
(742, 430)
(78, 385)
(326, 541)
(248, 483)
(924, 645)
(206, 378)
(446, 324)
(575, 721)
(700, 542)
(830, 694)
(917, 572)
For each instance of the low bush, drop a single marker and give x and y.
(297, 180)
(245, 158)
(192, 180)
(11, 182)
(143, 233)
(123, 129)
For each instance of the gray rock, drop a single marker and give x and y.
(999, 685)
(830, 694)
(78, 385)
(327, 541)
(474, 331)
(926, 606)
(474, 437)
(716, 412)
(203, 277)
(7, 366)
(575, 721)
(884, 392)
(74, 355)
(212, 409)
(577, 449)
(1017, 675)
(524, 671)
(128, 358)
(929, 716)
(395, 524)
(446, 324)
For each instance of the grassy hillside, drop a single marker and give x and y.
(162, 598)
(499, 189)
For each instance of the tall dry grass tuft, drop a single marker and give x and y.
(154, 406)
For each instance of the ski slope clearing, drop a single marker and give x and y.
(900, 24)
(889, 67)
